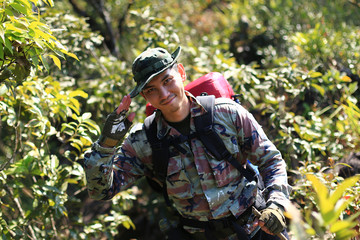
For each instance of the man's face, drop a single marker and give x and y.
(166, 91)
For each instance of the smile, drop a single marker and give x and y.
(168, 100)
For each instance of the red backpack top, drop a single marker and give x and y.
(212, 83)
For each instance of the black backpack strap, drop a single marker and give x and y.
(211, 140)
(160, 156)
(160, 148)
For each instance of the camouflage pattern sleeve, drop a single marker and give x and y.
(109, 172)
(259, 150)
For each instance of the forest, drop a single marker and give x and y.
(66, 64)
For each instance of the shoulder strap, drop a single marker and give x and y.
(160, 153)
(211, 140)
(204, 126)
(160, 149)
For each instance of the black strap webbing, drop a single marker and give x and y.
(160, 149)
(160, 155)
(212, 141)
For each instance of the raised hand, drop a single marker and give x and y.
(117, 124)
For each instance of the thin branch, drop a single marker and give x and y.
(18, 206)
(53, 225)
(93, 24)
(108, 32)
(123, 17)
(354, 3)
(100, 63)
(2, 148)
(104, 14)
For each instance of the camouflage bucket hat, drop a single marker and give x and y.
(149, 64)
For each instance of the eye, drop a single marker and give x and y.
(166, 81)
(149, 90)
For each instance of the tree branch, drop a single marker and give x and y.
(108, 32)
(354, 3)
(105, 16)
(123, 18)
(2, 148)
(18, 206)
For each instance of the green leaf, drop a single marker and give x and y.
(8, 45)
(2, 33)
(74, 108)
(56, 61)
(66, 125)
(51, 202)
(71, 55)
(341, 225)
(319, 88)
(72, 181)
(49, 2)
(77, 93)
(33, 123)
(322, 193)
(43, 61)
(20, 8)
(353, 217)
(341, 189)
(86, 116)
(1, 52)
(54, 162)
(126, 224)
(353, 87)
(76, 145)
(345, 234)
(85, 140)
(91, 124)
(315, 74)
(34, 57)
(341, 206)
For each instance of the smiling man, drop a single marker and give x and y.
(212, 197)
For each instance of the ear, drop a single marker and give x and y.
(182, 72)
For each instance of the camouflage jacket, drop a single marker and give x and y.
(200, 186)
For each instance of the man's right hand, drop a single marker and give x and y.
(117, 124)
(272, 220)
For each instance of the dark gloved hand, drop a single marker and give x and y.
(274, 219)
(115, 128)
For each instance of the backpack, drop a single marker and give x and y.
(216, 85)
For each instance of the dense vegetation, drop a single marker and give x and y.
(63, 68)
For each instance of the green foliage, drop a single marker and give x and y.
(36, 180)
(25, 42)
(331, 208)
(51, 111)
(44, 135)
(330, 204)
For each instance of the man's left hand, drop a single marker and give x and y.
(272, 220)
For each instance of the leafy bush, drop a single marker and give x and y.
(44, 135)
(330, 204)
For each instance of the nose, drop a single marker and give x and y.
(163, 93)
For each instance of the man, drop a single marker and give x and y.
(216, 200)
